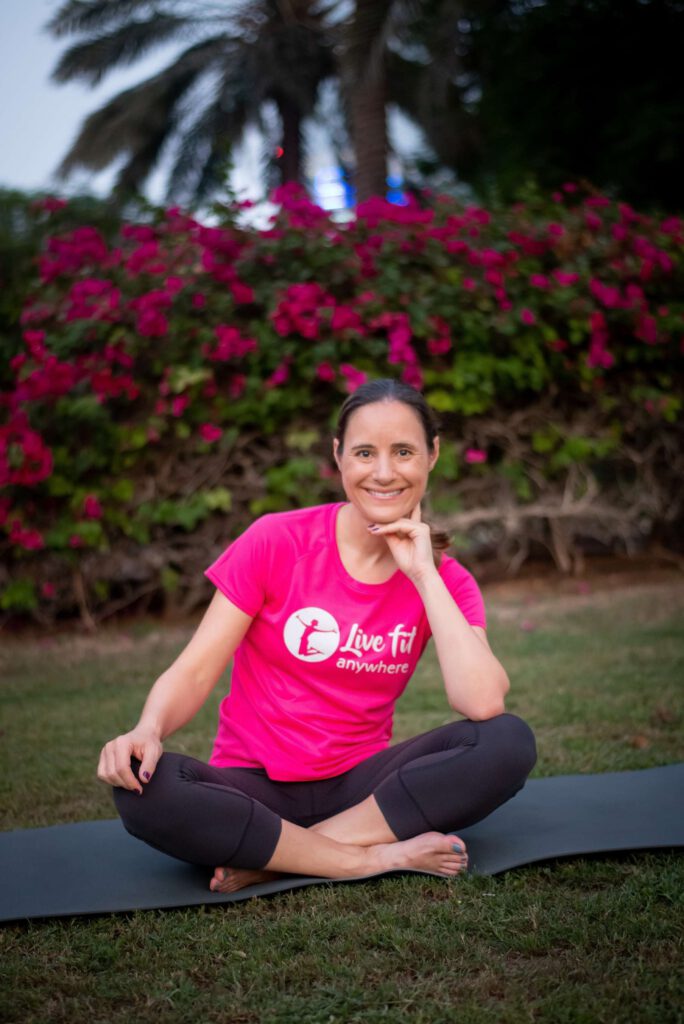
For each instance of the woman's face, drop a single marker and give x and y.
(385, 461)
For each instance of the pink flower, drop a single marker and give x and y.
(556, 230)
(179, 405)
(593, 221)
(528, 317)
(565, 279)
(325, 371)
(469, 283)
(279, 375)
(569, 187)
(92, 509)
(473, 455)
(199, 300)
(539, 281)
(48, 590)
(237, 385)
(76, 541)
(209, 432)
(30, 540)
(241, 292)
(354, 378)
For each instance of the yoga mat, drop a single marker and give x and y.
(95, 867)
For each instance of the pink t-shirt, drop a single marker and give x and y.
(320, 668)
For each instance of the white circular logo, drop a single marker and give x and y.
(311, 634)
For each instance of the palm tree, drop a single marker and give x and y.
(234, 62)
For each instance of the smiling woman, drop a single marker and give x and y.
(326, 611)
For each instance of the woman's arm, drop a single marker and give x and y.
(475, 681)
(177, 694)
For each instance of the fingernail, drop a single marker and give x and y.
(372, 528)
(146, 775)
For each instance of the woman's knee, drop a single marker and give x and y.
(143, 813)
(511, 740)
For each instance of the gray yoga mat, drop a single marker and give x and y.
(95, 867)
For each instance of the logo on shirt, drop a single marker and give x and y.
(311, 634)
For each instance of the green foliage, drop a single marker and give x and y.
(168, 375)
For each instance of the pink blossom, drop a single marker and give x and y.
(345, 318)
(35, 343)
(607, 294)
(92, 508)
(199, 300)
(179, 405)
(619, 232)
(325, 371)
(48, 590)
(230, 345)
(469, 283)
(209, 432)
(557, 197)
(647, 329)
(237, 385)
(49, 204)
(473, 455)
(173, 285)
(539, 281)
(569, 187)
(528, 317)
(412, 374)
(279, 375)
(556, 230)
(353, 377)
(597, 201)
(146, 259)
(30, 540)
(25, 459)
(565, 279)
(241, 292)
(593, 221)
(76, 541)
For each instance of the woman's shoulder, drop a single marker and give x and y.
(293, 525)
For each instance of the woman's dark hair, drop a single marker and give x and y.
(385, 389)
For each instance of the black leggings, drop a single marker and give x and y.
(442, 780)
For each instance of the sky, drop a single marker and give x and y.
(39, 119)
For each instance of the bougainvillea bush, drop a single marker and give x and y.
(177, 381)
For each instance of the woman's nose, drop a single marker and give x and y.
(383, 470)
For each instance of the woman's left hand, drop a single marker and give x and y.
(408, 539)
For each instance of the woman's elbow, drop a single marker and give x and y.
(489, 704)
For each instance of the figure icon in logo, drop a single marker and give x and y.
(311, 634)
(305, 647)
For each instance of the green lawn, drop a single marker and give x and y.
(599, 677)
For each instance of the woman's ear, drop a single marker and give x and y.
(336, 446)
(434, 454)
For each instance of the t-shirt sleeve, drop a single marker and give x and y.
(241, 573)
(466, 593)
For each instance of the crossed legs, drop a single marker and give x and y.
(401, 802)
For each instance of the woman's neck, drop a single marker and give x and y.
(356, 545)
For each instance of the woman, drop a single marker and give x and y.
(327, 611)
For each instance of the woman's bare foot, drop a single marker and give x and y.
(231, 879)
(431, 851)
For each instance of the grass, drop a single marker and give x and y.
(599, 677)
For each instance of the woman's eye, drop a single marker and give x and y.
(363, 453)
(404, 451)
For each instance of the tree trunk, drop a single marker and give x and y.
(290, 163)
(364, 76)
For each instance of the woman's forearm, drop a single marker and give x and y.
(173, 700)
(475, 680)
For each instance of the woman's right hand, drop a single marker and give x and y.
(114, 767)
